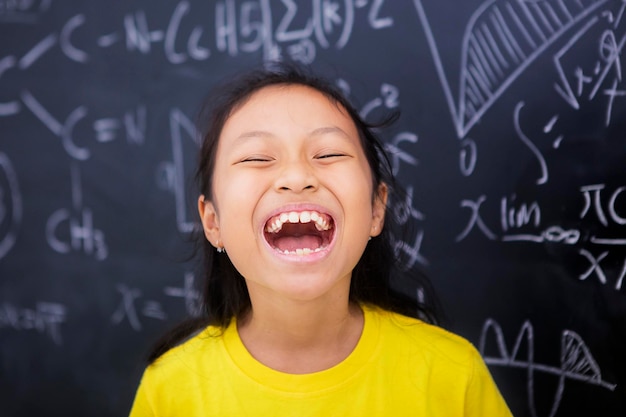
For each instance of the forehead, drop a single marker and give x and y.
(294, 103)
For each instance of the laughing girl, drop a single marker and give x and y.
(300, 317)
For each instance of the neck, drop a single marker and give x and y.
(301, 337)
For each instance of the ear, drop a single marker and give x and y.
(378, 210)
(210, 221)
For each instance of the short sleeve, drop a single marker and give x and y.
(483, 397)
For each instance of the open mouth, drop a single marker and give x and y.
(299, 232)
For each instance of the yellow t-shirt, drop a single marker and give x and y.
(400, 367)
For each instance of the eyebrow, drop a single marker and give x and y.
(254, 134)
(320, 131)
(328, 129)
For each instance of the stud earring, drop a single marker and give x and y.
(219, 247)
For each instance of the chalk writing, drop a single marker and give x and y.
(78, 223)
(62, 130)
(598, 271)
(576, 361)
(475, 219)
(404, 211)
(22, 11)
(133, 305)
(529, 214)
(139, 37)
(518, 220)
(46, 318)
(535, 151)
(104, 129)
(63, 40)
(501, 39)
(609, 52)
(388, 98)
(398, 155)
(171, 175)
(597, 209)
(188, 293)
(10, 205)
(239, 27)
(247, 27)
(468, 156)
(133, 122)
(127, 309)
(611, 207)
(516, 217)
(409, 253)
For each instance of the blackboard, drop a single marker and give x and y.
(511, 145)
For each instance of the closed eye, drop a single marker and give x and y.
(331, 155)
(256, 159)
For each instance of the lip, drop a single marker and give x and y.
(300, 207)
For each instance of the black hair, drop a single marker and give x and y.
(375, 278)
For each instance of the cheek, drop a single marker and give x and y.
(361, 211)
(365, 192)
(231, 191)
(236, 201)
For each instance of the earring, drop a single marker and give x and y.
(219, 247)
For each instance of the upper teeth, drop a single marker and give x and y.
(321, 221)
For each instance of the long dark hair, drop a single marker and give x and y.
(377, 276)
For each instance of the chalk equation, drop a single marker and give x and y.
(516, 215)
(238, 27)
(271, 27)
(576, 361)
(45, 318)
(397, 148)
(521, 221)
(72, 230)
(503, 38)
(409, 253)
(103, 130)
(297, 29)
(133, 305)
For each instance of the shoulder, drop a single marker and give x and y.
(199, 341)
(180, 374)
(187, 355)
(443, 364)
(431, 342)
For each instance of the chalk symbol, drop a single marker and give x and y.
(501, 40)
(577, 363)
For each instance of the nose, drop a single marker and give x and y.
(296, 176)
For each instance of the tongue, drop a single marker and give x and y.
(291, 243)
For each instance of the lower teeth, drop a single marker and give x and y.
(301, 252)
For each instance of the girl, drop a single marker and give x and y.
(300, 317)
